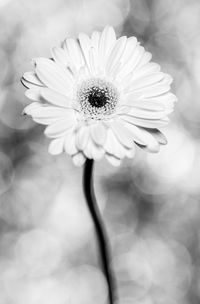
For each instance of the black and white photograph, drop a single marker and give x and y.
(99, 151)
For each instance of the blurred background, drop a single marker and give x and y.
(48, 250)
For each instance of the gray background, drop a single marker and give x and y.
(48, 252)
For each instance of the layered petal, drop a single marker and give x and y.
(113, 160)
(34, 94)
(106, 44)
(55, 98)
(70, 142)
(32, 79)
(54, 76)
(82, 137)
(59, 128)
(146, 123)
(122, 133)
(113, 146)
(92, 151)
(56, 146)
(98, 133)
(85, 44)
(74, 53)
(45, 114)
(79, 159)
(144, 138)
(114, 58)
(61, 57)
(100, 96)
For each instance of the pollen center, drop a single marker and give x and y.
(97, 97)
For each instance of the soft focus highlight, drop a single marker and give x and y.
(48, 252)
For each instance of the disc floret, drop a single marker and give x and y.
(97, 98)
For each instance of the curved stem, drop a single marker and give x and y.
(99, 226)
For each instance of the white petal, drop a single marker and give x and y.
(96, 152)
(45, 121)
(107, 41)
(29, 85)
(145, 148)
(69, 144)
(122, 134)
(85, 44)
(115, 54)
(167, 102)
(152, 144)
(154, 90)
(159, 136)
(140, 52)
(75, 52)
(113, 160)
(92, 151)
(59, 127)
(92, 61)
(127, 58)
(137, 135)
(32, 78)
(28, 109)
(148, 69)
(150, 105)
(33, 94)
(78, 159)
(88, 149)
(98, 133)
(60, 56)
(113, 146)
(131, 44)
(53, 76)
(48, 114)
(144, 138)
(144, 60)
(164, 99)
(146, 114)
(55, 98)
(130, 153)
(82, 137)
(56, 146)
(153, 147)
(168, 79)
(133, 62)
(146, 123)
(94, 57)
(136, 57)
(142, 82)
(95, 37)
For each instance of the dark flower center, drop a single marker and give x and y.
(98, 97)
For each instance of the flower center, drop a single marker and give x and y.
(97, 97)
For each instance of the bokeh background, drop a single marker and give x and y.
(48, 249)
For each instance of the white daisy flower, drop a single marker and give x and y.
(99, 96)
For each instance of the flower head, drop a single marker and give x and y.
(99, 96)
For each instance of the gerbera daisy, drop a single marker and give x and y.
(99, 96)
